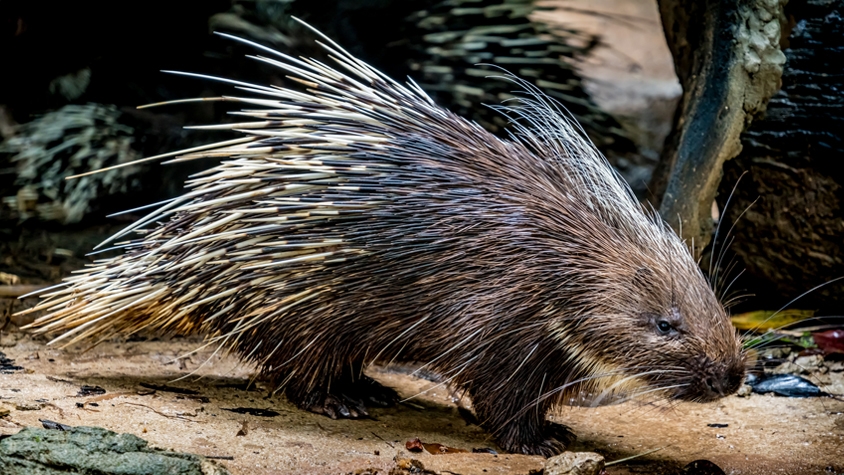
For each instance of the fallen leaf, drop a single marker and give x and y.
(414, 445)
(830, 341)
(437, 449)
(763, 320)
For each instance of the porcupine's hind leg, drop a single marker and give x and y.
(346, 396)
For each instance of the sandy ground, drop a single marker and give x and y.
(765, 434)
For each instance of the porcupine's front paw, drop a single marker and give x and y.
(552, 441)
(334, 406)
(372, 392)
(349, 400)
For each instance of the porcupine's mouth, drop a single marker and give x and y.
(711, 383)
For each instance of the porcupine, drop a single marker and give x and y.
(356, 222)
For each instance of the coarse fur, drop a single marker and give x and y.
(356, 223)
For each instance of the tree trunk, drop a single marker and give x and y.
(727, 56)
(784, 220)
(792, 238)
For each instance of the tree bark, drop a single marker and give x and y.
(792, 238)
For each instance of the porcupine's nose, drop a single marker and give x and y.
(725, 380)
(714, 387)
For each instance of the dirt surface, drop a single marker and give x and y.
(764, 434)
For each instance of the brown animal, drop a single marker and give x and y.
(356, 222)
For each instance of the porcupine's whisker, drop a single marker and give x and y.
(266, 360)
(398, 337)
(456, 346)
(42, 292)
(725, 247)
(638, 394)
(160, 213)
(620, 383)
(397, 353)
(151, 205)
(530, 353)
(598, 377)
(181, 101)
(163, 155)
(791, 302)
(733, 300)
(653, 402)
(284, 382)
(202, 365)
(128, 245)
(764, 341)
(725, 293)
(718, 228)
(554, 391)
(650, 400)
(459, 371)
(720, 277)
(541, 385)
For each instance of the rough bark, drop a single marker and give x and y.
(790, 240)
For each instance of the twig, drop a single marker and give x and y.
(388, 443)
(625, 459)
(159, 412)
(18, 290)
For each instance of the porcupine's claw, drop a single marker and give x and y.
(349, 400)
(555, 439)
(334, 406)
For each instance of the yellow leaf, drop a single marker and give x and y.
(763, 320)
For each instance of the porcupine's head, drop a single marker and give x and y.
(639, 317)
(656, 327)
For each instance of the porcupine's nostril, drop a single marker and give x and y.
(714, 388)
(732, 378)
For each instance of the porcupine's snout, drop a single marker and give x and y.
(714, 378)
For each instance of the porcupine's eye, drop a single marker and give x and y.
(663, 327)
(669, 323)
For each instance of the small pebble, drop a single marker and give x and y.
(574, 463)
(745, 390)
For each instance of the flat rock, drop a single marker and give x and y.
(36, 451)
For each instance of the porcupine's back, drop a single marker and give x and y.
(327, 191)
